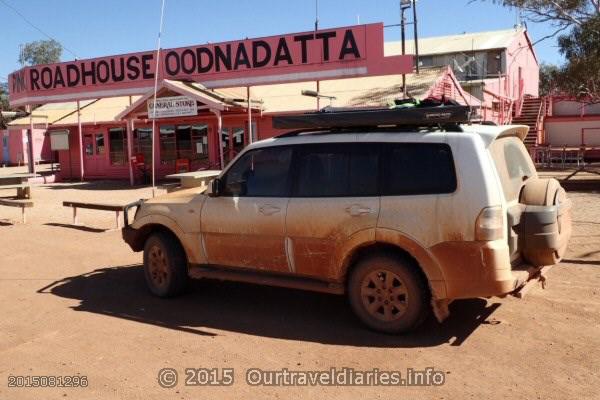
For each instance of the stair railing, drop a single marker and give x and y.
(521, 99)
(539, 124)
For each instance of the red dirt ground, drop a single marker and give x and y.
(73, 301)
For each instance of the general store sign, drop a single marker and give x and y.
(177, 106)
(316, 55)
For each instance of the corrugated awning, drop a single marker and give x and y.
(214, 100)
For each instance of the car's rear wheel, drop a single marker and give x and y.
(165, 265)
(388, 293)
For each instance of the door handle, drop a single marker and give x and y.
(268, 209)
(356, 210)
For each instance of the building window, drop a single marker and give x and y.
(254, 131)
(188, 142)
(232, 141)
(199, 142)
(118, 146)
(99, 144)
(89, 145)
(142, 143)
(183, 141)
(425, 61)
(168, 144)
(494, 63)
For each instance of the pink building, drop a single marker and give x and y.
(195, 138)
(228, 95)
(572, 123)
(15, 146)
(498, 68)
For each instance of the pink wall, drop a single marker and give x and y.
(17, 146)
(572, 123)
(520, 55)
(521, 79)
(18, 152)
(70, 159)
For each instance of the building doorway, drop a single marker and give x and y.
(94, 153)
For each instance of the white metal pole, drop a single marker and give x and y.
(162, 13)
(318, 97)
(250, 138)
(31, 148)
(219, 129)
(80, 133)
(129, 147)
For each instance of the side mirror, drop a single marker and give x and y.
(214, 188)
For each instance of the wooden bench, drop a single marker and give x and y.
(117, 208)
(18, 203)
(23, 190)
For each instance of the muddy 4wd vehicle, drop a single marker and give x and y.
(401, 219)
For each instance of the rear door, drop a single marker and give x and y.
(335, 195)
(418, 196)
(539, 212)
(515, 169)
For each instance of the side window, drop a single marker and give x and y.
(512, 163)
(260, 173)
(337, 170)
(516, 161)
(419, 168)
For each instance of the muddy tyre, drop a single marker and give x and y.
(388, 293)
(165, 265)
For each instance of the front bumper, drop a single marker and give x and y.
(133, 237)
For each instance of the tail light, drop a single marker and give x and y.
(489, 224)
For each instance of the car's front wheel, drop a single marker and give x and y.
(165, 265)
(388, 294)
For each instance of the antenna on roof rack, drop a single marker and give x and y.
(332, 118)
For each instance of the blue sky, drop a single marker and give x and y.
(97, 28)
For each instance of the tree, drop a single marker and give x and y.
(581, 74)
(549, 79)
(41, 52)
(4, 96)
(577, 25)
(3, 103)
(563, 14)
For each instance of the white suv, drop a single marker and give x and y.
(402, 220)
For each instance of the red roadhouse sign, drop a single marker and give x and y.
(317, 55)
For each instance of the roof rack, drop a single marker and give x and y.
(332, 118)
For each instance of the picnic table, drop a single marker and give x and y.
(18, 181)
(195, 179)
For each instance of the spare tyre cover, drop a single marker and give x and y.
(545, 224)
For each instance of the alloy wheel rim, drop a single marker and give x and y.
(158, 266)
(384, 295)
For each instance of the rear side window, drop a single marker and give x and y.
(513, 164)
(338, 170)
(418, 168)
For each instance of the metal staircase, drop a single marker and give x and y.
(532, 114)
